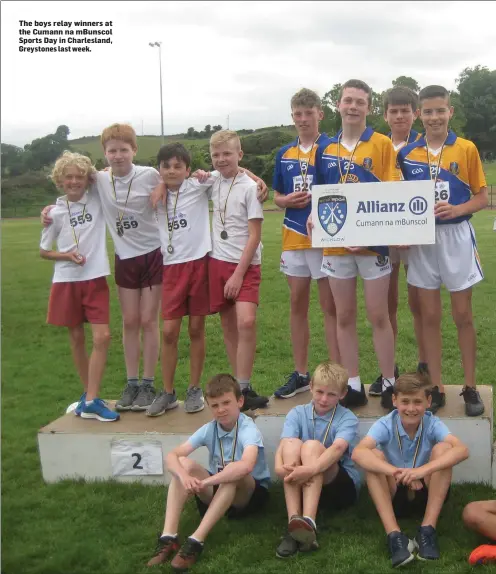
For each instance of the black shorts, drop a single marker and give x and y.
(256, 503)
(338, 494)
(404, 508)
(139, 272)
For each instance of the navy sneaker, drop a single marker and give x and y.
(426, 540)
(474, 406)
(438, 400)
(295, 384)
(98, 409)
(400, 548)
(354, 398)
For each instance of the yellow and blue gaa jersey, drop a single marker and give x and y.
(413, 136)
(374, 160)
(460, 170)
(288, 178)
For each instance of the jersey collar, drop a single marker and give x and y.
(294, 143)
(365, 137)
(411, 137)
(450, 140)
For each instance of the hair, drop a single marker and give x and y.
(171, 151)
(331, 375)
(70, 159)
(220, 384)
(121, 132)
(225, 136)
(306, 99)
(400, 96)
(430, 92)
(359, 85)
(410, 383)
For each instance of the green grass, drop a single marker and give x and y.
(107, 528)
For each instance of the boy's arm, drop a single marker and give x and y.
(73, 256)
(190, 483)
(364, 457)
(235, 470)
(445, 210)
(330, 456)
(262, 189)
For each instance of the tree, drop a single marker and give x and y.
(216, 128)
(407, 82)
(208, 130)
(190, 133)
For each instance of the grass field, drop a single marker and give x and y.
(108, 528)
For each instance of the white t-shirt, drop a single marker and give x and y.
(241, 206)
(189, 228)
(139, 225)
(87, 225)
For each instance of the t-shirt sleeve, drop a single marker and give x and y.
(200, 437)
(277, 180)
(154, 178)
(439, 431)
(251, 436)
(253, 207)
(476, 177)
(291, 428)
(389, 170)
(379, 432)
(347, 429)
(49, 234)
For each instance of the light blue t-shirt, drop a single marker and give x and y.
(299, 423)
(212, 434)
(388, 429)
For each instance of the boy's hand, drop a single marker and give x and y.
(445, 210)
(416, 485)
(409, 475)
(262, 191)
(201, 175)
(46, 220)
(191, 484)
(298, 199)
(233, 286)
(309, 226)
(158, 194)
(76, 257)
(280, 471)
(299, 474)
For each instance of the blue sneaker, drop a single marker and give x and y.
(98, 409)
(294, 385)
(77, 410)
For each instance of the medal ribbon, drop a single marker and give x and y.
(223, 221)
(304, 171)
(120, 215)
(171, 231)
(329, 424)
(350, 160)
(235, 442)
(419, 440)
(76, 237)
(439, 160)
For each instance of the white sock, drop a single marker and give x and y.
(311, 520)
(303, 375)
(166, 534)
(88, 402)
(355, 383)
(196, 540)
(244, 384)
(387, 383)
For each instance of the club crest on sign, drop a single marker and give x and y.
(454, 168)
(332, 210)
(367, 163)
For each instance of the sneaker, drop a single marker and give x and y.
(287, 547)
(483, 554)
(166, 547)
(252, 400)
(426, 540)
(187, 556)
(474, 406)
(144, 398)
(438, 400)
(400, 548)
(162, 402)
(387, 398)
(98, 410)
(422, 369)
(77, 410)
(295, 384)
(127, 398)
(302, 530)
(194, 402)
(354, 398)
(375, 389)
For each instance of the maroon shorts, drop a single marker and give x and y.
(218, 274)
(77, 302)
(185, 289)
(140, 271)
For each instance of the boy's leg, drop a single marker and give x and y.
(149, 323)
(330, 321)
(299, 289)
(310, 452)
(230, 330)
(344, 293)
(79, 354)
(382, 489)
(246, 316)
(393, 298)
(196, 329)
(414, 304)
(438, 484)
(98, 359)
(291, 456)
(461, 309)
(130, 306)
(481, 517)
(171, 330)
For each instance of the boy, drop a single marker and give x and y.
(454, 165)
(237, 480)
(79, 291)
(234, 266)
(408, 456)
(358, 154)
(294, 174)
(400, 111)
(480, 516)
(314, 458)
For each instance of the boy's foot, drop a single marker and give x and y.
(77, 410)
(163, 402)
(97, 409)
(438, 400)
(144, 398)
(387, 398)
(375, 389)
(252, 400)
(294, 385)
(474, 406)
(127, 398)
(166, 547)
(426, 540)
(287, 547)
(483, 554)
(400, 548)
(302, 530)
(194, 402)
(354, 398)
(422, 369)
(187, 556)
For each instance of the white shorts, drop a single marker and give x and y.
(398, 256)
(349, 266)
(452, 260)
(302, 263)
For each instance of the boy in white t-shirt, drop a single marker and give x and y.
(79, 291)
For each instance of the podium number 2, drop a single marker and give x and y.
(137, 461)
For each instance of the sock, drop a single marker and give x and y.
(196, 540)
(133, 381)
(167, 535)
(311, 520)
(355, 383)
(148, 381)
(244, 384)
(303, 375)
(88, 402)
(387, 383)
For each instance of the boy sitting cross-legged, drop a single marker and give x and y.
(314, 458)
(236, 482)
(412, 470)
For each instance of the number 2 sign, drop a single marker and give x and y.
(131, 458)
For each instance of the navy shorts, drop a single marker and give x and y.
(338, 494)
(404, 507)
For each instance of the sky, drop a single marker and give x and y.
(239, 59)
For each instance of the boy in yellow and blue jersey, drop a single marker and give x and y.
(294, 175)
(454, 166)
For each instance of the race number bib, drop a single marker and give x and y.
(300, 184)
(178, 222)
(125, 225)
(80, 219)
(442, 192)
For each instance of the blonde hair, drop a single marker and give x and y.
(306, 99)
(225, 136)
(331, 374)
(410, 383)
(70, 159)
(122, 132)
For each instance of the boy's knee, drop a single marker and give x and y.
(101, 339)
(439, 449)
(312, 447)
(149, 323)
(462, 318)
(77, 337)
(196, 333)
(131, 322)
(246, 323)
(431, 317)
(378, 320)
(471, 514)
(346, 318)
(170, 336)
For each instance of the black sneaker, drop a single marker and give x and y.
(438, 400)
(474, 406)
(422, 369)
(387, 397)
(287, 547)
(426, 540)
(252, 400)
(294, 384)
(375, 389)
(400, 548)
(354, 398)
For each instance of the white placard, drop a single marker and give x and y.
(368, 214)
(136, 458)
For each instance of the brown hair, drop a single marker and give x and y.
(306, 99)
(221, 384)
(400, 96)
(121, 132)
(359, 85)
(409, 383)
(430, 92)
(331, 374)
